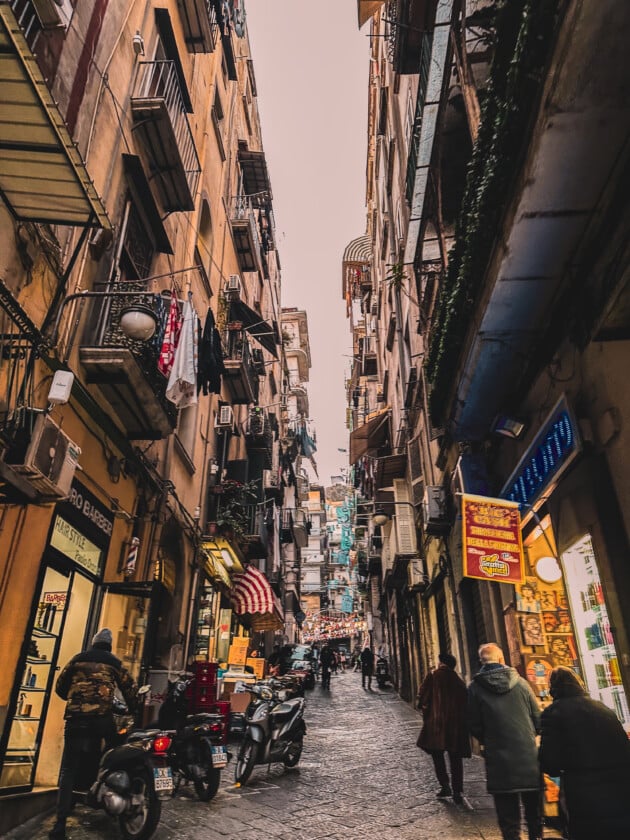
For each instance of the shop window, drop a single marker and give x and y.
(593, 634)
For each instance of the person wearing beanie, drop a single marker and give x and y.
(88, 684)
(443, 700)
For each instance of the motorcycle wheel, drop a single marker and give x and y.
(207, 788)
(246, 760)
(140, 822)
(294, 753)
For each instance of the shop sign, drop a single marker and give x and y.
(74, 545)
(491, 536)
(86, 513)
(347, 603)
(552, 450)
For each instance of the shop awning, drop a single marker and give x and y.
(367, 8)
(42, 175)
(371, 435)
(214, 568)
(260, 329)
(252, 594)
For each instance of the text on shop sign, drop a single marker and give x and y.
(75, 546)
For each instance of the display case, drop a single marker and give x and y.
(592, 629)
(35, 685)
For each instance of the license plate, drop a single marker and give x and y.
(219, 756)
(163, 778)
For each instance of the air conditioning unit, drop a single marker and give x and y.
(233, 287)
(434, 510)
(256, 422)
(50, 460)
(224, 418)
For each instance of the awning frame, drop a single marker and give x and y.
(255, 325)
(92, 213)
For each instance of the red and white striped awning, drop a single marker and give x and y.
(252, 593)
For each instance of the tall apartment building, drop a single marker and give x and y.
(143, 376)
(486, 303)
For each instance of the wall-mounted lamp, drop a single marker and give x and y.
(381, 517)
(548, 569)
(138, 322)
(509, 427)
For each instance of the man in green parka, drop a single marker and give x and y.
(503, 715)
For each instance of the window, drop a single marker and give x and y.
(217, 121)
(203, 251)
(137, 252)
(186, 431)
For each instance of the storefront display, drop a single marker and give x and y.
(593, 632)
(72, 562)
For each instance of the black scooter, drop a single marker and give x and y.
(275, 729)
(196, 753)
(133, 777)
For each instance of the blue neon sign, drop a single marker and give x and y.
(549, 454)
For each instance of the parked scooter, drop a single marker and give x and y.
(382, 672)
(133, 777)
(275, 729)
(196, 753)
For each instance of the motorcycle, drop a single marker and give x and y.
(275, 729)
(382, 672)
(196, 753)
(133, 777)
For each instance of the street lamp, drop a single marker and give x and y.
(381, 517)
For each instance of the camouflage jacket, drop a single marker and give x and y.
(88, 683)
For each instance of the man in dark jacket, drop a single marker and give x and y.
(443, 699)
(503, 715)
(584, 743)
(367, 666)
(88, 684)
(327, 659)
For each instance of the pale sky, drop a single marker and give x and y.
(311, 65)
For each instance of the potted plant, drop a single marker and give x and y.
(232, 515)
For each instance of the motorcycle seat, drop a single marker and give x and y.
(141, 734)
(286, 709)
(204, 717)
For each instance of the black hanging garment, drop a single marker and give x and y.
(210, 367)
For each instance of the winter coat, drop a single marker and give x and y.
(443, 698)
(367, 662)
(88, 683)
(584, 742)
(503, 715)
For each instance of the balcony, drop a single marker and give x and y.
(414, 144)
(244, 222)
(258, 435)
(240, 378)
(124, 370)
(161, 121)
(201, 29)
(255, 542)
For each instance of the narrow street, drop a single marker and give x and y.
(361, 775)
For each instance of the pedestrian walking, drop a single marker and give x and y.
(326, 659)
(443, 701)
(584, 743)
(88, 684)
(367, 667)
(503, 715)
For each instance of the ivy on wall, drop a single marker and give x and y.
(524, 31)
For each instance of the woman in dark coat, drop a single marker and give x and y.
(443, 700)
(583, 742)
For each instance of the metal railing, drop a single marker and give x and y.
(159, 80)
(28, 21)
(242, 209)
(19, 344)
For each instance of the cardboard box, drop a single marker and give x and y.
(240, 701)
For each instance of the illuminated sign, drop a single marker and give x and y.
(549, 454)
(75, 545)
(491, 537)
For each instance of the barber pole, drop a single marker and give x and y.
(132, 556)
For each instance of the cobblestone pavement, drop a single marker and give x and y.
(361, 775)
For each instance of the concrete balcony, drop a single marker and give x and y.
(158, 110)
(244, 223)
(240, 375)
